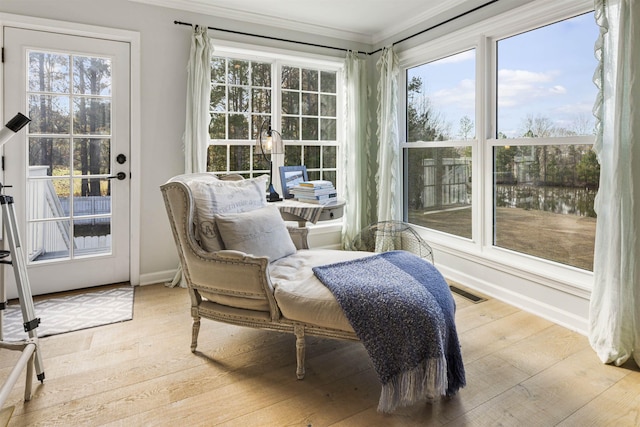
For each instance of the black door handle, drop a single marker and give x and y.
(119, 176)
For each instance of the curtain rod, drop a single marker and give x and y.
(270, 38)
(341, 48)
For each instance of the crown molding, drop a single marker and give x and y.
(263, 20)
(434, 11)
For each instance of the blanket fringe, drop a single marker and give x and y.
(427, 380)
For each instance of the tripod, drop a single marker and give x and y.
(29, 347)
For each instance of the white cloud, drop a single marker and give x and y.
(518, 87)
(461, 96)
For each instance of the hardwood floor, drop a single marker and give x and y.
(521, 371)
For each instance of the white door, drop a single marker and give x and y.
(69, 168)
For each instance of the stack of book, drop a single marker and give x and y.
(317, 191)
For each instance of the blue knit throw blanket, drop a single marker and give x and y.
(402, 310)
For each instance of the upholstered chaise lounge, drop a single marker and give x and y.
(243, 265)
(246, 290)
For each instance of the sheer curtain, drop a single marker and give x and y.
(614, 326)
(359, 151)
(387, 134)
(196, 133)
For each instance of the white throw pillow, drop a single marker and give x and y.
(260, 232)
(214, 197)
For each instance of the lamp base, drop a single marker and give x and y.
(273, 196)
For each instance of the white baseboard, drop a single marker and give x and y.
(157, 277)
(546, 304)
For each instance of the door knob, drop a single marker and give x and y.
(119, 176)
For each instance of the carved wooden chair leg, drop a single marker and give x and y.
(194, 333)
(298, 330)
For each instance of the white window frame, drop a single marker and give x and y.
(278, 58)
(483, 36)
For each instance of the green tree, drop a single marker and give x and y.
(588, 170)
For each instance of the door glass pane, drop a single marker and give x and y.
(91, 76)
(49, 114)
(92, 236)
(49, 240)
(55, 164)
(48, 72)
(91, 196)
(48, 156)
(91, 156)
(91, 116)
(54, 198)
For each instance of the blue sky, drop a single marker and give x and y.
(545, 72)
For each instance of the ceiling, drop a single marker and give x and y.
(364, 21)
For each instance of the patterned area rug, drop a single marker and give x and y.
(71, 313)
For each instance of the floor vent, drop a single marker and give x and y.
(468, 295)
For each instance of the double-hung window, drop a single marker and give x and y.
(499, 134)
(297, 96)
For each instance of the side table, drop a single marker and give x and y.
(294, 210)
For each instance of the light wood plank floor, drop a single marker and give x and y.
(521, 371)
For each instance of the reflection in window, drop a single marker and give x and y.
(544, 197)
(439, 188)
